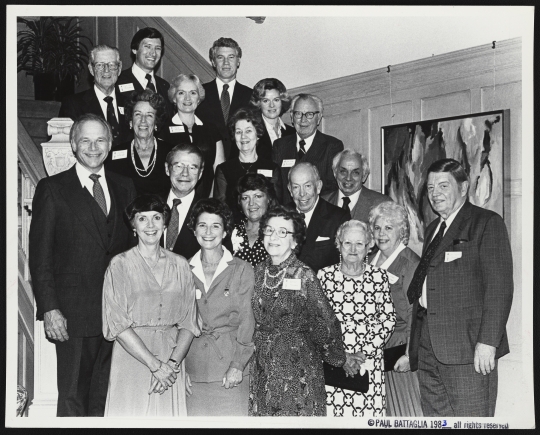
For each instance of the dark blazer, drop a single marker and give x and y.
(76, 105)
(368, 198)
(469, 298)
(322, 151)
(264, 146)
(324, 223)
(71, 244)
(210, 111)
(186, 244)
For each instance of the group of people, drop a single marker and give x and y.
(204, 258)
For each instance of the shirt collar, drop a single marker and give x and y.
(308, 140)
(451, 218)
(270, 126)
(354, 199)
(309, 214)
(198, 271)
(140, 75)
(388, 262)
(84, 174)
(188, 199)
(177, 121)
(220, 84)
(100, 95)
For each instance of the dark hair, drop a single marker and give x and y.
(147, 32)
(252, 181)
(212, 206)
(154, 99)
(452, 166)
(224, 42)
(147, 202)
(187, 148)
(245, 114)
(299, 224)
(259, 91)
(87, 117)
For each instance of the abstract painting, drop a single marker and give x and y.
(476, 141)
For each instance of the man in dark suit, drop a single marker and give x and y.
(351, 170)
(147, 47)
(462, 293)
(224, 95)
(322, 218)
(77, 227)
(308, 145)
(102, 99)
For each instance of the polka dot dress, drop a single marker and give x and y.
(252, 254)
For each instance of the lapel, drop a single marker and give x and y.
(237, 97)
(115, 214)
(214, 99)
(333, 198)
(289, 151)
(218, 279)
(455, 229)
(91, 103)
(316, 221)
(185, 231)
(362, 199)
(316, 149)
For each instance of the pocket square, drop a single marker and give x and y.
(322, 239)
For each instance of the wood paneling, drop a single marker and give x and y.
(444, 106)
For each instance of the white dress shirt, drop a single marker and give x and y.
(177, 121)
(271, 131)
(308, 214)
(100, 96)
(388, 262)
(308, 141)
(140, 75)
(183, 208)
(198, 268)
(86, 181)
(230, 90)
(354, 199)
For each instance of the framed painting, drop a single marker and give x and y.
(477, 141)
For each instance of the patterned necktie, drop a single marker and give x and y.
(415, 288)
(172, 229)
(302, 150)
(225, 102)
(99, 196)
(346, 202)
(111, 118)
(150, 85)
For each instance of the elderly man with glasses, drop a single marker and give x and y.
(307, 145)
(101, 100)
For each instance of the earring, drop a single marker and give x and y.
(339, 265)
(130, 125)
(134, 233)
(365, 261)
(155, 127)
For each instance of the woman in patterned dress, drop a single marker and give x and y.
(255, 196)
(390, 227)
(360, 296)
(296, 328)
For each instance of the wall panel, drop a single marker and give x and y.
(443, 106)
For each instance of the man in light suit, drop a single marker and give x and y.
(102, 99)
(322, 218)
(77, 227)
(462, 293)
(307, 145)
(351, 170)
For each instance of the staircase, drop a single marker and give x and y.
(34, 115)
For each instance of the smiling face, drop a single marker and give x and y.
(445, 194)
(148, 54)
(184, 172)
(271, 104)
(226, 63)
(305, 127)
(91, 145)
(209, 231)
(254, 204)
(149, 226)
(143, 120)
(349, 174)
(387, 235)
(354, 245)
(187, 97)
(304, 188)
(105, 79)
(245, 135)
(279, 248)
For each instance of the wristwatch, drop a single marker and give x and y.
(175, 363)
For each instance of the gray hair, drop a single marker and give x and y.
(307, 165)
(175, 84)
(395, 213)
(353, 223)
(87, 117)
(316, 99)
(352, 153)
(103, 47)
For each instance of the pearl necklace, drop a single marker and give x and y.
(150, 166)
(267, 274)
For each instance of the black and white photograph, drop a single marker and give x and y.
(230, 216)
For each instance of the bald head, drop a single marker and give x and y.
(305, 186)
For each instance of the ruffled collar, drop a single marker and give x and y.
(289, 261)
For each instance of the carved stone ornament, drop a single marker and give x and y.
(57, 153)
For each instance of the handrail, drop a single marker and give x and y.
(30, 158)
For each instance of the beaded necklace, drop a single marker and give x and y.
(151, 165)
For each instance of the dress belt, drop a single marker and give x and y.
(215, 334)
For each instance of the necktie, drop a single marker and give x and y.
(225, 102)
(172, 229)
(302, 150)
(346, 202)
(99, 196)
(415, 288)
(150, 85)
(111, 118)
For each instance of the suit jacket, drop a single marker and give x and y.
(264, 146)
(76, 105)
(210, 111)
(469, 298)
(368, 198)
(324, 223)
(322, 151)
(71, 246)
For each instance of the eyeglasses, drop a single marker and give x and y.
(308, 115)
(179, 168)
(100, 66)
(281, 232)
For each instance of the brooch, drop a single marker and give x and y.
(226, 292)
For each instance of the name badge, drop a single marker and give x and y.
(452, 255)
(126, 87)
(121, 110)
(392, 278)
(198, 293)
(122, 154)
(265, 172)
(176, 128)
(292, 284)
(288, 163)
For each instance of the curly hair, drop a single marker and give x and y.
(259, 92)
(394, 213)
(353, 223)
(299, 225)
(175, 84)
(212, 206)
(245, 114)
(154, 99)
(252, 181)
(224, 42)
(147, 202)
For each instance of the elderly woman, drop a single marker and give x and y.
(217, 362)
(390, 227)
(246, 128)
(186, 93)
(270, 97)
(149, 310)
(255, 195)
(361, 298)
(296, 328)
(143, 158)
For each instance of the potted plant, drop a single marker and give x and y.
(50, 49)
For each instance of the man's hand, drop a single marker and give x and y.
(484, 358)
(55, 325)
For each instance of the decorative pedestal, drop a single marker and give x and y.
(57, 153)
